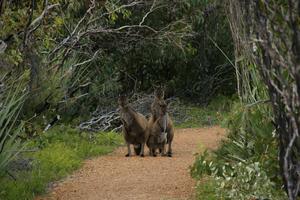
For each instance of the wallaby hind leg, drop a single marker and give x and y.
(142, 149)
(153, 152)
(163, 150)
(137, 149)
(169, 153)
(129, 151)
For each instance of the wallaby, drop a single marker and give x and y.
(135, 127)
(161, 132)
(155, 106)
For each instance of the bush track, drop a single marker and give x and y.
(116, 177)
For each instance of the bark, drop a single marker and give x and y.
(268, 32)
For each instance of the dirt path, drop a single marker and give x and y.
(117, 177)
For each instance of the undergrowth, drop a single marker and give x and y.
(61, 150)
(212, 114)
(245, 166)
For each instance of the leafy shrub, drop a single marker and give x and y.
(206, 165)
(247, 181)
(206, 189)
(250, 149)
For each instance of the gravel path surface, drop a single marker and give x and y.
(115, 176)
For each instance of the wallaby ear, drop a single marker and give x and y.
(159, 93)
(122, 96)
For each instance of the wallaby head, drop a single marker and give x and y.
(122, 101)
(163, 108)
(158, 99)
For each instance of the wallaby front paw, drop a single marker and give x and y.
(169, 154)
(127, 155)
(142, 155)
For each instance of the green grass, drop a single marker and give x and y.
(206, 189)
(62, 151)
(212, 114)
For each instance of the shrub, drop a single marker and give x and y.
(246, 181)
(249, 150)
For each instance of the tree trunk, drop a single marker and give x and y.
(269, 34)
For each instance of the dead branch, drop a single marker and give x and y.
(107, 119)
(128, 34)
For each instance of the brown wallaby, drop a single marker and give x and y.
(161, 132)
(158, 97)
(135, 127)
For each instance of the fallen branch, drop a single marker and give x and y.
(108, 119)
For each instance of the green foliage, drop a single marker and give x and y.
(83, 144)
(213, 114)
(193, 68)
(62, 151)
(250, 149)
(247, 181)
(179, 56)
(10, 128)
(206, 189)
(51, 163)
(243, 181)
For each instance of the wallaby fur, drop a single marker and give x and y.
(155, 106)
(135, 127)
(156, 131)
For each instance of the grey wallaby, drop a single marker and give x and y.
(161, 130)
(135, 127)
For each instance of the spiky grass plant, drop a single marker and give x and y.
(11, 101)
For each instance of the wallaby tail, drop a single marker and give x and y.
(137, 149)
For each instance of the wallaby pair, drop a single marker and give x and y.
(138, 131)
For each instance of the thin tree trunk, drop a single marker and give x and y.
(270, 37)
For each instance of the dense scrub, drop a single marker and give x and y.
(245, 166)
(62, 60)
(83, 54)
(265, 128)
